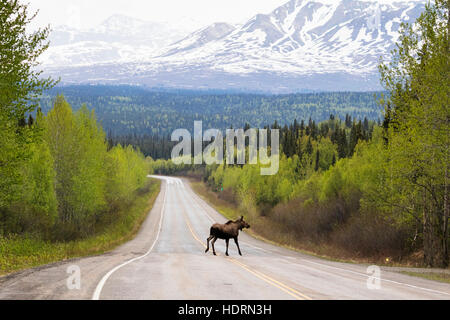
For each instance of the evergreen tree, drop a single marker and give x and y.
(317, 166)
(342, 144)
(348, 121)
(30, 121)
(366, 124)
(309, 147)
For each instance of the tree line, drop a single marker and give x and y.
(344, 134)
(375, 190)
(58, 177)
(126, 110)
(70, 183)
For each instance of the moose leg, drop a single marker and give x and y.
(207, 241)
(228, 244)
(237, 244)
(212, 244)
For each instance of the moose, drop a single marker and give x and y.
(227, 231)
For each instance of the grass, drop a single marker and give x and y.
(23, 252)
(438, 276)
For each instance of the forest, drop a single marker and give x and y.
(145, 118)
(362, 189)
(160, 147)
(59, 178)
(68, 182)
(127, 110)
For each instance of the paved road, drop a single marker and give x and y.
(167, 261)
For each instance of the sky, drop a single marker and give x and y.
(90, 13)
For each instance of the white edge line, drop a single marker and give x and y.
(381, 279)
(98, 289)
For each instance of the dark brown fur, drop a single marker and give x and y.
(227, 231)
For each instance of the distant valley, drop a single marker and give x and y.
(125, 110)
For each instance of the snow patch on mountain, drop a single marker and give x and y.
(300, 39)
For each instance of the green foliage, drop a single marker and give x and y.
(78, 146)
(130, 111)
(24, 251)
(71, 185)
(20, 86)
(167, 167)
(20, 82)
(11, 159)
(36, 208)
(417, 129)
(127, 172)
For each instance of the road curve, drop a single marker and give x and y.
(166, 261)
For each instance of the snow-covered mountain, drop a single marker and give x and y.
(118, 39)
(200, 38)
(304, 44)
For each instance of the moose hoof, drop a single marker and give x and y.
(227, 254)
(215, 254)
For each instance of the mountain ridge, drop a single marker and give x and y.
(296, 46)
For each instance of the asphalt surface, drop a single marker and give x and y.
(166, 261)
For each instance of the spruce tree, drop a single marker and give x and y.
(317, 166)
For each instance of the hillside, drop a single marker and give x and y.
(134, 110)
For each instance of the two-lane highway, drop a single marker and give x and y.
(178, 268)
(167, 261)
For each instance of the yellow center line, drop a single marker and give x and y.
(292, 292)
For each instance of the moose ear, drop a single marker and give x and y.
(242, 218)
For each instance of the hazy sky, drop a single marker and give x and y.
(89, 13)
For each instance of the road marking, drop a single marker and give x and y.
(278, 284)
(98, 289)
(386, 280)
(292, 292)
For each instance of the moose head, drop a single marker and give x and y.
(242, 224)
